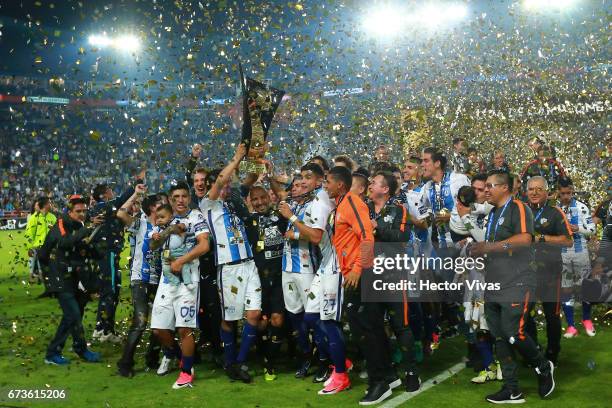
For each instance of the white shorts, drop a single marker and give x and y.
(325, 296)
(175, 306)
(296, 287)
(239, 290)
(576, 268)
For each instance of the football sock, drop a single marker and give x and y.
(249, 333)
(187, 364)
(297, 322)
(568, 310)
(313, 322)
(485, 348)
(229, 347)
(336, 345)
(586, 311)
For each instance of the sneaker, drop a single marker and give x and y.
(413, 382)
(570, 332)
(393, 381)
(348, 366)
(97, 334)
(302, 372)
(110, 338)
(546, 382)
(57, 359)
(589, 328)
(165, 366)
(339, 382)
(499, 371)
(323, 373)
(506, 396)
(363, 374)
(184, 380)
(238, 372)
(376, 394)
(269, 374)
(90, 356)
(125, 371)
(489, 374)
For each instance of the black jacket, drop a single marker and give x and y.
(67, 259)
(392, 223)
(111, 235)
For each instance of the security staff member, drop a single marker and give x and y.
(68, 261)
(507, 249)
(552, 232)
(390, 222)
(265, 232)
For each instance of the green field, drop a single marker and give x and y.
(27, 324)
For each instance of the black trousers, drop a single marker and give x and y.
(142, 293)
(507, 325)
(73, 306)
(549, 291)
(110, 284)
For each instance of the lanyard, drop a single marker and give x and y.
(501, 214)
(539, 214)
(434, 197)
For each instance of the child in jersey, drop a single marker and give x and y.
(173, 248)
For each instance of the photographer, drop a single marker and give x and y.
(109, 242)
(68, 261)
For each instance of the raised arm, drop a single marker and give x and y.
(227, 173)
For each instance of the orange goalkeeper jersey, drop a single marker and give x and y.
(352, 234)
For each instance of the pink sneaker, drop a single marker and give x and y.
(348, 364)
(184, 380)
(570, 332)
(588, 326)
(339, 382)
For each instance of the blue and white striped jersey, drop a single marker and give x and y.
(144, 266)
(228, 232)
(302, 256)
(578, 214)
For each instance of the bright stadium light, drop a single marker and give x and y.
(547, 4)
(389, 21)
(384, 22)
(127, 42)
(100, 40)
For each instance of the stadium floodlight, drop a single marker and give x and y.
(384, 22)
(100, 40)
(547, 4)
(127, 42)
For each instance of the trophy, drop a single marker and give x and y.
(441, 211)
(259, 104)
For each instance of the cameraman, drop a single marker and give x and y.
(68, 260)
(109, 242)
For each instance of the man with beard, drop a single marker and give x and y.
(265, 231)
(552, 232)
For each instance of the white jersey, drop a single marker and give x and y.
(195, 225)
(143, 267)
(578, 213)
(228, 232)
(418, 209)
(444, 195)
(475, 223)
(318, 218)
(302, 256)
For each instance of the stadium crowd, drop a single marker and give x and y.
(230, 261)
